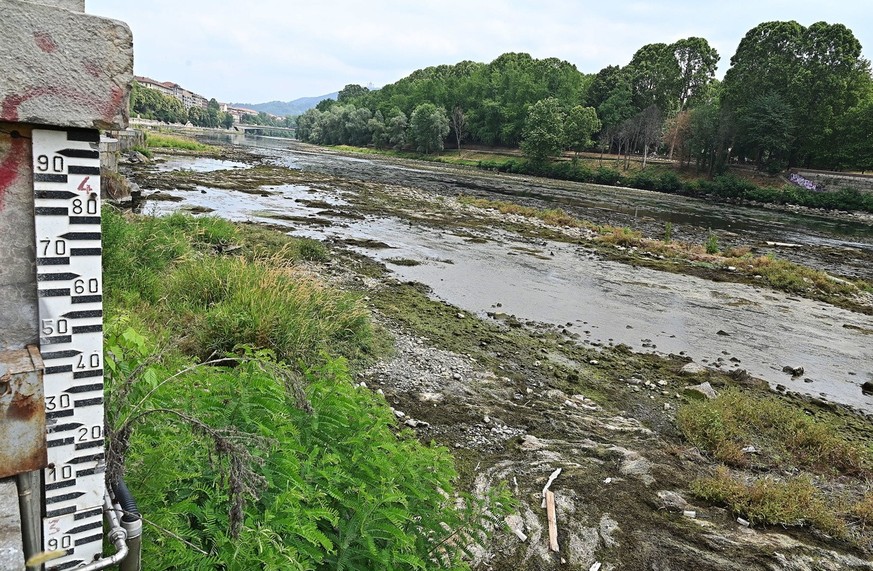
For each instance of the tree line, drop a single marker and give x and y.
(152, 104)
(793, 96)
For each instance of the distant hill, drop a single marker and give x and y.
(282, 108)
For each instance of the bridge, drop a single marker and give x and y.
(265, 130)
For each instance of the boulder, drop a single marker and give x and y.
(701, 391)
(671, 501)
(692, 369)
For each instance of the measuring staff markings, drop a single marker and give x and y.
(66, 166)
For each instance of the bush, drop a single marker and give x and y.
(258, 466)
(711, 244)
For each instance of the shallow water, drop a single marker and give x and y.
(606, 302)
(198, 164)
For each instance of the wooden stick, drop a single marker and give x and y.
(553, 521)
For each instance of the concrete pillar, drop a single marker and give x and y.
(58, 67)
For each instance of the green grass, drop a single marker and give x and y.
(173, 272)
(165, 141)
(227, 301)
(803, 471)
(784, 435)
(770, 501)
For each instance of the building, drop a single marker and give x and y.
(237, 112)
(188, 98)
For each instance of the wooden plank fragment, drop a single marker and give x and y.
(553, 521)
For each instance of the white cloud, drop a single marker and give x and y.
(275, 49)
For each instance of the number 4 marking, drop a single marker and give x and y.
(84, 186)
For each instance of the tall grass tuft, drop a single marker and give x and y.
(225, 302)
(779, 431)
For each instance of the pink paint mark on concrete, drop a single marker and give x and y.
(92, 68)
(113, 104)
(45, 42)
(9, 108)
(10, 166)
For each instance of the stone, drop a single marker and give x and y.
(430, 397)
(531, 443)
(137, 157)
(793, 371)
(608, 527)
(671, 501)
(692, 369)
(867, 388)
(64, 68)
(701, 391)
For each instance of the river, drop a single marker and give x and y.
(724, 325)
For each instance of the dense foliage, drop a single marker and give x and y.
(266, 456)
(793, 96)
(151, 104)
(725, 188)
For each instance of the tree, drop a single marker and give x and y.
(226, 120)
(306, 123)
(603, 85)
(697, 63)
(817, 71)
(543, 130)
(378, 130)
(459, 123)
(357, 127)
(396, 128)
(582, 123)
(428, 126)
(654, 77)
(349, 92)
(651, 121)
(767, 126)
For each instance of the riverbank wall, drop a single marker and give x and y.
(832, 181)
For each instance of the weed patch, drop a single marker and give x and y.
(770, 501)
(781, 434)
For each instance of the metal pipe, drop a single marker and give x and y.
(117, 535)
(131, 521)
(133, 527)
(29, 504)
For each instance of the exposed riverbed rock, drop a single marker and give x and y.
(701, 391)
(671, 501)
(692, 369)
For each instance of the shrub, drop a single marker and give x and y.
(711, 244)
(258, 466)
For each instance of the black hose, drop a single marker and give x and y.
(125, 499)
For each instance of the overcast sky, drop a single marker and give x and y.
(262, 50)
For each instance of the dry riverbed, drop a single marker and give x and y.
(517, 398)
